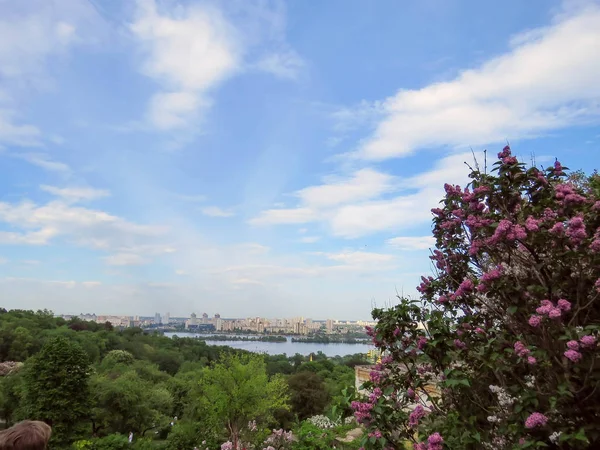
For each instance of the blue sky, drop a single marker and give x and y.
(265, 158)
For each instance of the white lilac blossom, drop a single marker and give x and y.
(504, 400)
(530, 381)
(554, 436)
(322, 422)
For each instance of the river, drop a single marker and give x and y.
(289, 348)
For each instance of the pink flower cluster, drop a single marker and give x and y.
(566, 195)
(425, 284)
(362, 411)
(521, 350)
(466, 287)
(459, 344)
(588, 341)
(417, 414)
(536, 419)
(374, 396)
(508, 231)
(595, 245)
(488, 278)
(576, 230)
(376, 434)
(421, 342)
(434, 442)
(532, 224)
(547, 308)
(506, 156)
(573, 347)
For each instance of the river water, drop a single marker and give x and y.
(289, 348)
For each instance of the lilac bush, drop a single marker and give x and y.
(507, 354)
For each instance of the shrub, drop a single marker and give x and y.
(510, 321)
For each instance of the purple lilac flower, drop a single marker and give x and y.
(535, 321)
(521, 349)
(573, 355)
(417, 414)
(536, 419)
(573, 345)
(554, 313)
(435, 442)
(588, 341)
(459, 344)
(564, 305)
(531, 360)
(545, 307)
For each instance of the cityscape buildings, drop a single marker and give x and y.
(294, 325)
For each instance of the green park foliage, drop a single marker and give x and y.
(95, 385)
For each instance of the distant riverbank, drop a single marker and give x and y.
(217, 337)
(287, 347)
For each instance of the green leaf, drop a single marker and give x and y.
(511, 310)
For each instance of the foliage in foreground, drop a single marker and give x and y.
(511, 321)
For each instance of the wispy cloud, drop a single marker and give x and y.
(548, 80)
(286, 64)
(215, 211)
(125, 259)
(75, 194)
(412, 242)
(188, 52)
(358, 207)
(127, 242)
(45, 162)
(17, 134)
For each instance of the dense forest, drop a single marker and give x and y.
(95, 385)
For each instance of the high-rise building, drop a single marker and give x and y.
(329, 326)
(157, 319)
(193, 319)
(166, 318)
(204, 318)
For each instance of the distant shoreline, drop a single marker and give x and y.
(274, 338)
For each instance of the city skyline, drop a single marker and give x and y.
(267, 158)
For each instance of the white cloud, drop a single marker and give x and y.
(34, 35)
(215, 211)
(125, 259)
(359, 258)
(362, 185)
(44, 161)
(91, 284)
(129, 243)
(188, 53)
(412, 242)
(3, 260)
(75, 194)
(548, 80)
(12, 133)
(355, 208)
(286, 64)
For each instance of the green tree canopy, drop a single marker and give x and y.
(309, 394)
(237, 390)
(56, 387)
